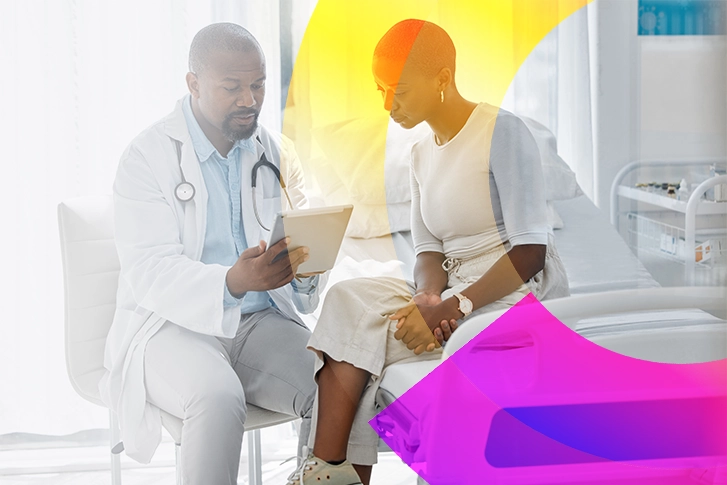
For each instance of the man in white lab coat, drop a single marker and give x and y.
(206, 322)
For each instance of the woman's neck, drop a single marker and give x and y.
(451, 117)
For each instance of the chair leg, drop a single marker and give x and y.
(178, 462)
(254, 455)
(115, 450)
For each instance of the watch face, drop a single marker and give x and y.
(465, 306)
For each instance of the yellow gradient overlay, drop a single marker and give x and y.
(332, 82)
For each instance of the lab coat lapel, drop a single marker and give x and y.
(195, 215)
(195, 210)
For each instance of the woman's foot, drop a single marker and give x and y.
(313, 470)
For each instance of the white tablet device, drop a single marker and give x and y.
(320, 229)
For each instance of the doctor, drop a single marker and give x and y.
(205, 322)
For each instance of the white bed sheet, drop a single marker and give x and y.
(595, 256)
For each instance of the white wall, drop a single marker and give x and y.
(683, 96)
(654, 97)
(615, 111)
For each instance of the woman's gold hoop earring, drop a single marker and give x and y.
(441, 96)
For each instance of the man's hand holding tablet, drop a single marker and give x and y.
(319, 229)
(260, 269)
(275, 263)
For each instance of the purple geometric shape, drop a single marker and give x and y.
(530, 401)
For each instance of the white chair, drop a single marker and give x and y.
(90, 277)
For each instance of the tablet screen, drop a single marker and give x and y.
(321, 230)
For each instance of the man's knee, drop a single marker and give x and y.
(306, 384)
(304, 405)
(221, 397)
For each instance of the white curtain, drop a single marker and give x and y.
(80, 79)
(553, 86)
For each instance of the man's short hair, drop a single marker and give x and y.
(418, 43)
(223, 36)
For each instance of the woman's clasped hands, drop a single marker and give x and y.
(424, 324)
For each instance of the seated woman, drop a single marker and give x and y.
(480, 234)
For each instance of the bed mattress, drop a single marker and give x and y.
(595, 256)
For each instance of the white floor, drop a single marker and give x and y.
(89, 465)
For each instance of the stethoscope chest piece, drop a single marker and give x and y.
(184, 191)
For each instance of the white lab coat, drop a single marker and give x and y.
(159, 242)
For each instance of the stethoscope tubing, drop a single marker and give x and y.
(185, 191)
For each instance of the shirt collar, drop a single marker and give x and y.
(202, 146)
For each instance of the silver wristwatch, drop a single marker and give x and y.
(465, 304)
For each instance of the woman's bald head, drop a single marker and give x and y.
(417, 44)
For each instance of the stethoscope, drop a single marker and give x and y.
(185, 191)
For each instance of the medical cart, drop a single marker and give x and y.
(675, 233)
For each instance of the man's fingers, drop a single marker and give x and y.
(293, 259)
(283, 268)
(253, 252)
(400, 322)
(277, 248)
(281, 279)
(298, 257)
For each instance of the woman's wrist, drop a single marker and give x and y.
(451, 305)
(445, 310)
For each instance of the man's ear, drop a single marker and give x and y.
(193, 84)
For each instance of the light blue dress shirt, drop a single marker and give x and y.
(225, 235)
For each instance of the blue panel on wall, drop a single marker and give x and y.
(682, 17)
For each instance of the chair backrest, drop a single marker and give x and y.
(90, 278)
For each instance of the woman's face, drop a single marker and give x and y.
(408, 94)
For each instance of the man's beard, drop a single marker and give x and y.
(234, 133)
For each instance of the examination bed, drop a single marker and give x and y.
(597, 261)
(614, 300)
(600, 264)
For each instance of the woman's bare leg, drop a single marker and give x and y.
(340, 386)
(364, 473)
